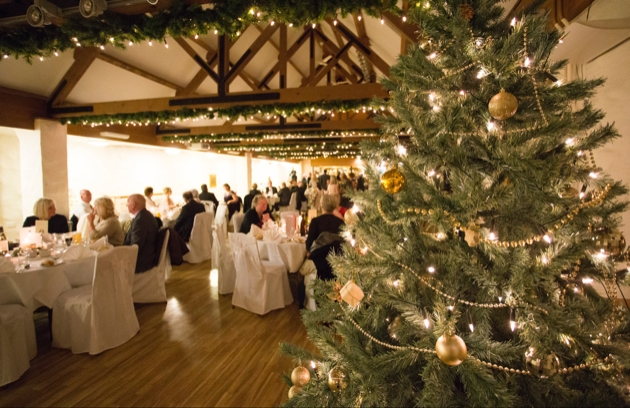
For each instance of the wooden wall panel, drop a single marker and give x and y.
(20, 109)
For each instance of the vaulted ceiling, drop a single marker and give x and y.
(282, 90)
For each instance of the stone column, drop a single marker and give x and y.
(248, 157)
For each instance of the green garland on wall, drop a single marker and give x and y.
(259, 137)
(180, 20)
(231, 113)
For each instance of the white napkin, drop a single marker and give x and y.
(6, 266)
(269, 225)
(98, 244)
(256, 232)
(272, 235)
(77, 252)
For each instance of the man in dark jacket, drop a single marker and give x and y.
(257, 215)
(186, 219)
(284, 195)
(142, 232)
(205, 195)
(249, 197)
(323, 180)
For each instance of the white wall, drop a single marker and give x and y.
(10, 182)
(278, 171)
(614, 99)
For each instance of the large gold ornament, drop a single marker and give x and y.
(394, 326)
(503, 105)
(300, 376)
(392, 181)
(294, 390)
(611, 241)
(336, 293)
(542, 367)
(451, 349)
(337, 379)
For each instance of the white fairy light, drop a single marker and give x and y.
(558, 82)
(404, 19)
(396, 283)
(431, 269)
(314, 25)
(462, 92)
(512, 321)
(570, 141)
(451, 308)
(102, 47)
(491, 126)
(482, 73)
(272, 22)
(527, 62)
(544, 260)
(130, 43)
(472, 327)
(592, 174)
(513, 22)
(492, 236)
(431, 173)
(401, 150)
(436, 108)
(150, 43)
(355, 209)
(432, 55)
(427, 322)
(500, 299)
(547, 238)
(587, 281)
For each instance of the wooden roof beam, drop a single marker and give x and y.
(290, 52)
(138, 71)
(365, 50)
(406, 30)
(359, 23)
(250, 53)
(314, 79)
(83, 59)
(278, 47)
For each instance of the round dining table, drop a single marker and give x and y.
(291, 254)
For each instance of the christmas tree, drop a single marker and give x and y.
(477, 253)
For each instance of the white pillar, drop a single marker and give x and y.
(44, 165)
(248, 157)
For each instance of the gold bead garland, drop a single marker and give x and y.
(598, 199)
(566, 370)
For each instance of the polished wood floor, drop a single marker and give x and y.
(194, 350)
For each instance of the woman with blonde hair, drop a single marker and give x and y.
(108, 224)
(333, 186)
(44, 209)
(167, 204)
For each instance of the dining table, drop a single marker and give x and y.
(41, 285)
(291, 253)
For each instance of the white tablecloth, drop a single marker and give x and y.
(291, 254)
(40, 286)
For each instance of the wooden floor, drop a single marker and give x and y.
(194, 350)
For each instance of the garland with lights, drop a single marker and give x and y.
(262, 137)
(180, 20)
(230, 113)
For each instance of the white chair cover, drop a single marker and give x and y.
(223, 262)
(200, 243)
(209, 205)
(310, 301)
(98, 317)
(260, 286)
(17, 342)
(149, 286)
(220, 219)
(237, 220)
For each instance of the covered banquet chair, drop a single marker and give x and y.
(223, 262)
(261, 286)
(200, 244)
(150, 286)
(17, 342)
(237, 221)
(97, 317)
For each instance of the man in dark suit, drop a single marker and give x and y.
(284, 196)
(257, 215)
(186, 219)
(270, 189)
(249, 197)
(323, 180)
(142, 232)
(205, 195)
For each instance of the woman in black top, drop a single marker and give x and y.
(327, 222)
(44, 209)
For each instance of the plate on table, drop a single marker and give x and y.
(49, 262)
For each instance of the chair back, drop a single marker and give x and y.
(293, 202)
(209, 205)
(237, 220)
(112, 302)
(223, 262)
(249, 267)
(149, 286)
(200, 243)
(220, 219)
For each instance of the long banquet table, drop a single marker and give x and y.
(291, 254)
(40, 286)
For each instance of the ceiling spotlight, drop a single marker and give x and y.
(92, 8)
(41, 13)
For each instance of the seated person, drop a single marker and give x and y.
(44, 209)
(195, 195)
(284, 195)
(270, 189)
(186, 219)
(108, 225)
(142, 232)
(232, 200)
(326, 222)
(249, 197)
(151, 206)
(205, 195)
(257, 215)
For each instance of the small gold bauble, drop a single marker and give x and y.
(294, 390)
(350, 217)
(503, 105)
(451, 349)
(392, 181)
(337, 379)
(542, 367)
(300, 376)
(394, 326)
(568, 192)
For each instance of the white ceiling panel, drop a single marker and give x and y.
(40, 77)
(104, 82)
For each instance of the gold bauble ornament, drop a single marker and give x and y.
(392, 181)
(300, 376)
(294, 390)
(394, 326)
(337, 379)
(467, 11)
(472, 235)
(350, 217)
(611, 241)
(541, 367)
(503, 105)
(568, 192)
(451, 349)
